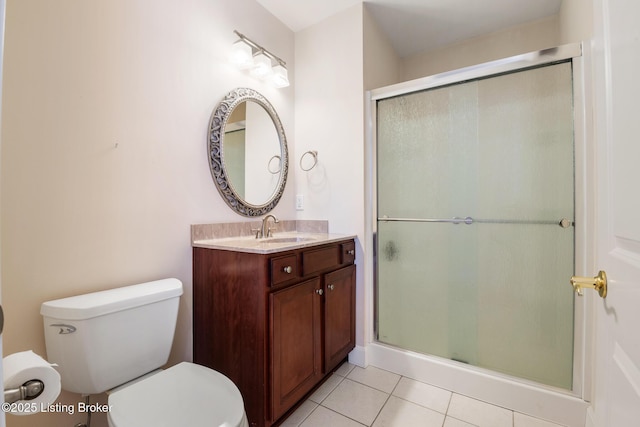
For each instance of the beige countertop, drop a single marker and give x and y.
(278, 243)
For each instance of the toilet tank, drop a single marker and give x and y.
(104, 339)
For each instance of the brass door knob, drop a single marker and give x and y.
(599, 283)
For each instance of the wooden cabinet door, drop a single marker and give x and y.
(339, 315)
(296, 344)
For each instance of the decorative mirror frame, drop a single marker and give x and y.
(216, 155)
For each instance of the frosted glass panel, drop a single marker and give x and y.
(494, 293)
(423, 139)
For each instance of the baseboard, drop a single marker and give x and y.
(358, 356)
(590, 422)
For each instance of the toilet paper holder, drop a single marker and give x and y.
(27, 391)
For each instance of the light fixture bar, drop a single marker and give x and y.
(259, 48)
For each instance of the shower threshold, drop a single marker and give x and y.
(537, 400)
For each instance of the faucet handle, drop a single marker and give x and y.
(256, 231)
(270, 229)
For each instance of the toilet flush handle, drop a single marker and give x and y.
(64, 329)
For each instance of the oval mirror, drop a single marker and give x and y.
(248, 153)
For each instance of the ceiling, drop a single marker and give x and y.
(415, 26)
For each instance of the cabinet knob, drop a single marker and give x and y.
(351, 252)
(319, 291)
(330, 287)
(287, 269)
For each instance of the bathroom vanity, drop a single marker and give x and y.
(274, 315)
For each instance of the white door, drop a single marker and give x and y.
(2, 9)
(617, 118)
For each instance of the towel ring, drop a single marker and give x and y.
(279, 164)
(315, 160)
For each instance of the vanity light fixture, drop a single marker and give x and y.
(246, 54)
(261, 66)
(241, 55)
(280, 76)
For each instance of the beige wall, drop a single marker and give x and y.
(381, 63)
(329, 118)
(572, 24)
(524, 38)
(576, 21)
(104, 161)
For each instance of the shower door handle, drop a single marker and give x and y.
(598, 283)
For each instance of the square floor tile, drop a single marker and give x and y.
(375, 377)
(423, 394)
(323, 417)
(356, 401)
(521, 420)
(452, 422)
(300, 414)
(479, 413)
(401, 413)
(344, 369)
(327, 387)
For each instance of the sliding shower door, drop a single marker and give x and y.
(475, 227)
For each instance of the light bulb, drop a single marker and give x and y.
(262, 66)
(241, 55)
(280, 77)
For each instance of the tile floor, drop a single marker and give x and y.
(356, 397)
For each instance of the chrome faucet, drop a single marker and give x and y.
(265, 230)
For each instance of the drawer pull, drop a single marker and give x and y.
(331, 287)
(287, 269)
(319, 291)
(351, 252)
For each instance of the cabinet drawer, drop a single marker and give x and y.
(320, 259)
(283, 269)
(348, 252)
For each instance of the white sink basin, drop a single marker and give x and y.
(287, 240)
(280, 242)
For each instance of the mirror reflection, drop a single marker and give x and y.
(248, 154)
(251, 153)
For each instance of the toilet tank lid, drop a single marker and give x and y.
(87, 306)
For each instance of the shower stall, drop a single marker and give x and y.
(476, 224)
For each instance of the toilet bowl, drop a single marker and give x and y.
(183, 395)
(111, 341)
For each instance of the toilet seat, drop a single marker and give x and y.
(183, 395)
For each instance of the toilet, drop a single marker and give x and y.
(115, 341)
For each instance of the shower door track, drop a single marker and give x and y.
(567, 407)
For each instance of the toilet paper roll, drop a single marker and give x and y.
(18, 368)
